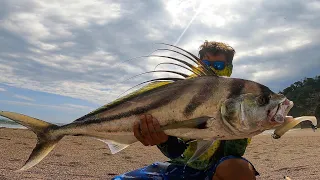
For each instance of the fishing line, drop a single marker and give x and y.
(190, 22)
(276, 152)
(188, 25)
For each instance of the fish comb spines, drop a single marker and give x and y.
(202, 70)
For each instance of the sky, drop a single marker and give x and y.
(62, 59)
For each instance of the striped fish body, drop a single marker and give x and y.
(205, 107)
(171, 104)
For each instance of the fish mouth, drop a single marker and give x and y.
(278, 114)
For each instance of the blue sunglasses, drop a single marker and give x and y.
(218, 65)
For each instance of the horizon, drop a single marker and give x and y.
(58, 63)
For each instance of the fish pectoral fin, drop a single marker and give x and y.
(199, 122)
(202, 147)
(114, 147)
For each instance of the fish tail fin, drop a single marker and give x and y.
(45, 141)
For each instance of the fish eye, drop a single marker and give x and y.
(263, 100)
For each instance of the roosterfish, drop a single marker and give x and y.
(204, 107)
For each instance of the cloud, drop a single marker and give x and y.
(81, 49)
(2, 89)
(23, 97)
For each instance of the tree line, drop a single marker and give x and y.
(306, 97)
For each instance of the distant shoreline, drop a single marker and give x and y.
(6, 123)
(12, 126)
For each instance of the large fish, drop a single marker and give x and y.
(204, 108)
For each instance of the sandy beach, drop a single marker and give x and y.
(296, 155)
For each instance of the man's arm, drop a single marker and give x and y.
(149, 133)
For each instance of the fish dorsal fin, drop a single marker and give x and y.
(200, 70)
(202, 147)
(114, 146)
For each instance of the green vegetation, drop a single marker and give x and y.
(306, 97)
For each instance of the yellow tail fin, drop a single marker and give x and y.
(41, 128)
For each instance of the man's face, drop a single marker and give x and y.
(218, 64)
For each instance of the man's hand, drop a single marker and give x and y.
(148, 131)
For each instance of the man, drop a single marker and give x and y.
(223, 159)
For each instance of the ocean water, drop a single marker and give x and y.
(4, 123)
(16, 126)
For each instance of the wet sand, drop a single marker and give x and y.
(296, 155)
